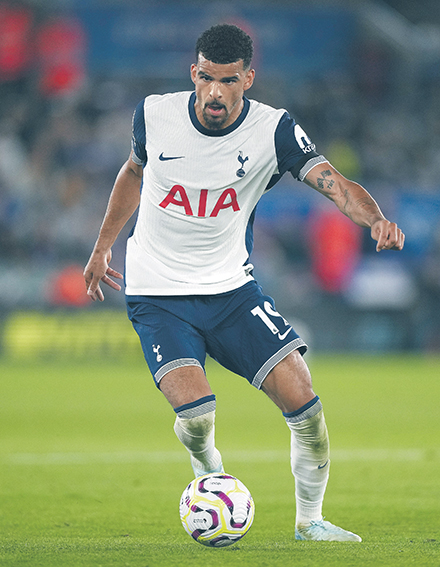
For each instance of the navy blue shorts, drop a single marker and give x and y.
(240, 329)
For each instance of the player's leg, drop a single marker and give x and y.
(255, 341)
(175, 353)
(184, 385)
(188, 391)
(289, 385)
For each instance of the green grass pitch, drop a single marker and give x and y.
(91, 472)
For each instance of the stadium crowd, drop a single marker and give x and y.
(64, 134)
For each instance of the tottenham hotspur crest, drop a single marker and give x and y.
(241, 172)
(157, 353)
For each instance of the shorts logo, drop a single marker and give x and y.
(304, 142)
(241, 172)
(263, 315)
(158, 355)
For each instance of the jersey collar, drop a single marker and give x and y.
(224, 131)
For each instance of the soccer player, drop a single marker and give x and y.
(199, 164)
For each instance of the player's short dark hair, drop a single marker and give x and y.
(225, 43)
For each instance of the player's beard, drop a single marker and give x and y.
(215, 122)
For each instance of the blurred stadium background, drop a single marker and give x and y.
(361, 77)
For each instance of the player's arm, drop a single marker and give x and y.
(123, 202)
(357, 204)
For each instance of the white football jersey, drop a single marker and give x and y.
(193, 234)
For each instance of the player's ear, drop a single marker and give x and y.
(249, 79)
(193, 72)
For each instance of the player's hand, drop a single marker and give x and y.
(98, 270)
(388, 235)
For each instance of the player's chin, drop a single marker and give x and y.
(215, 122)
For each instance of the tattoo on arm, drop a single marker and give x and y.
(323, 182)
(351, 199)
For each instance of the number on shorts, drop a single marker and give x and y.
(268, 309)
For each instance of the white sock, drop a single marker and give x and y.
(195, 428)
(310, 460)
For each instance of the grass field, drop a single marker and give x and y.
(91, 472)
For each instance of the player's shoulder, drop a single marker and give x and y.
(177, 98)
(264, 111)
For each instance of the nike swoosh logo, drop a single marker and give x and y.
(163, 158)
(324, 465)
(284, 335)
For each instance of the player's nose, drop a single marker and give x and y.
(215, 91)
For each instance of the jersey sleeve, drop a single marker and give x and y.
(138, 139)
(294, 149)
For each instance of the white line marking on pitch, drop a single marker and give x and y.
(126, 457)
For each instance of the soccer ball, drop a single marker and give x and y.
(216, 509)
